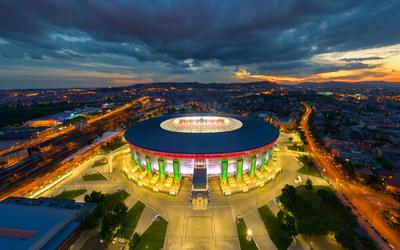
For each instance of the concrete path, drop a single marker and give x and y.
(130, 201)
(260, 235)
(201, 230)
(145, 220)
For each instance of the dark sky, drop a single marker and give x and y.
(110, 43)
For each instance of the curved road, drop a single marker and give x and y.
(367, 204)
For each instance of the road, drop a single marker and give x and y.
(367, 204)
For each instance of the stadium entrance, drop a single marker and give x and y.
(200, 186)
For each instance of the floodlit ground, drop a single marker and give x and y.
(187, 229)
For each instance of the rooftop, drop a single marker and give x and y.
(152, 135)
(37, 223)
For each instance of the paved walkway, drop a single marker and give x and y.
(130, 201)
(260, 235)
(145, 220)
(211, 229)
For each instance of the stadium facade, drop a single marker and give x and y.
(219, 145)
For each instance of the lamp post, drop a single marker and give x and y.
(249, 233)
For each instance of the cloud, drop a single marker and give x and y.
(362, 59)
(182, 39)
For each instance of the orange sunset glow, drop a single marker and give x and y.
(382, 64)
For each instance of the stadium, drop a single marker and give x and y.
(201, 146)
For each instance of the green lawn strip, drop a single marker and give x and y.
(71, 194)
(308, 167)
(132, 218)
(242, 233)
(281, 239)
(112, 200)
(153, 238)
(94, 177)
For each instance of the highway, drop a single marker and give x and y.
(366, 203)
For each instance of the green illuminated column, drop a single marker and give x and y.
(148, 165)
(139, 161)
(177, 173)
(270, 155)
(263, 160)
(239, 170)
(161, 168)
(253, 165)
(224, 170)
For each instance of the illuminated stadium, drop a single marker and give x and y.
(201, 146)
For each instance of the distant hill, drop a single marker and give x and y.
(238, 86)
(372, 84)
(267, 84)
(198, 85)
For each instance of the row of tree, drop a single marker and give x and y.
(112, 220)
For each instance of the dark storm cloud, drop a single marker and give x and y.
(362, 59)
(277, 34)
(304, 68)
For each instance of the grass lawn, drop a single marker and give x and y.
(242, 232)
(94, 177)
(71, 194)
(132, 218)
(308, 167)
(153, 238)
(281, 239)
(112, 200)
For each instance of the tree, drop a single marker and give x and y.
(368, 243)
(121, 211)
(90, 221)
(288, 196)
(329, 196)
(324, 194)
(95, 197)
(345, 236)
(289, 191)
(309, 185)
(109, 226)
(288, 222)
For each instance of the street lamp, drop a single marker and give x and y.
(249, 233)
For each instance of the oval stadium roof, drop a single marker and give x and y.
(253, 134)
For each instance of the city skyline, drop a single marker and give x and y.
(60, 45)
